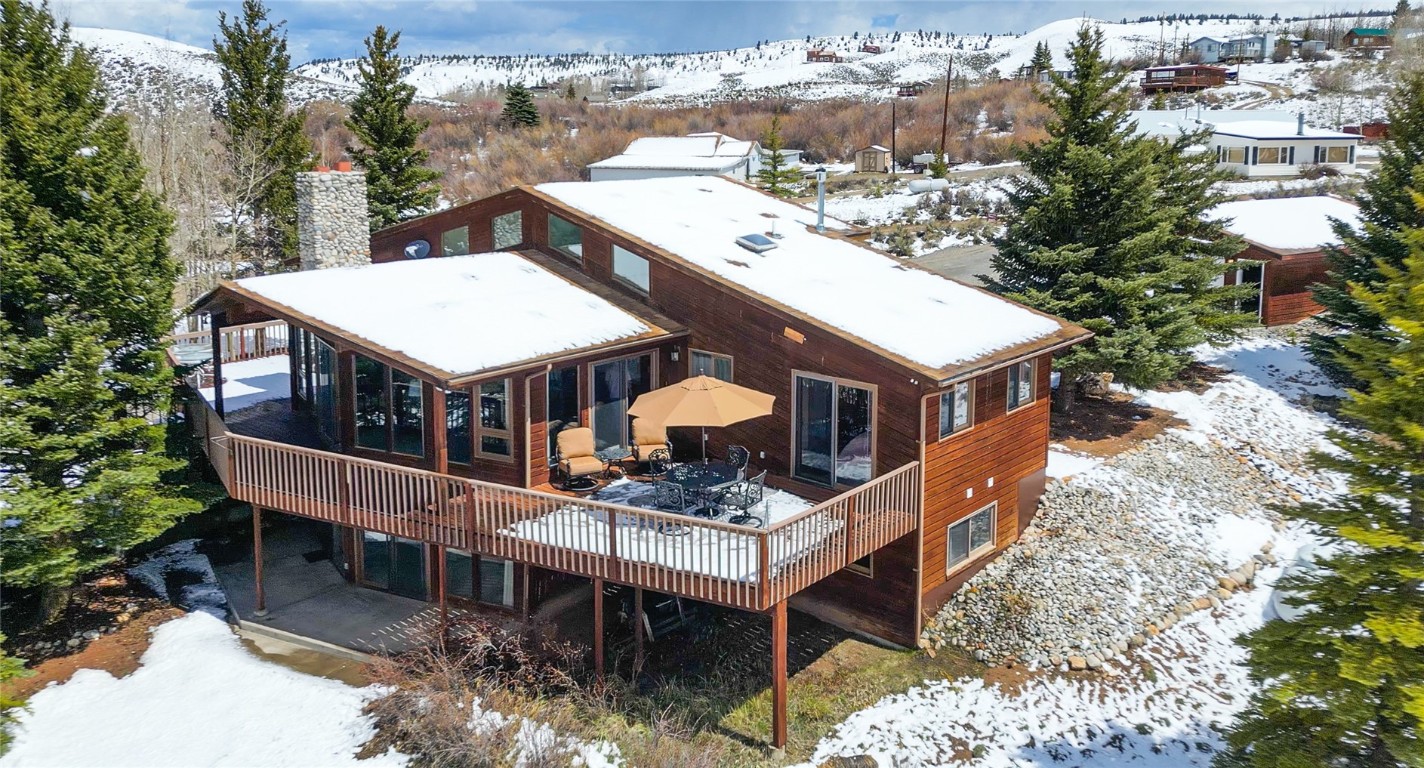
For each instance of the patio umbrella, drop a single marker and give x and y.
(702, 401)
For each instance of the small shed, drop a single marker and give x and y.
(1371, 131)
(872, 159)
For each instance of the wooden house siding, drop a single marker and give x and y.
(389, 244)
(1287, 282)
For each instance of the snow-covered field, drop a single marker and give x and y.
(1164, 705)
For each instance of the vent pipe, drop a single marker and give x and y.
(821, 198)
(1300, 124)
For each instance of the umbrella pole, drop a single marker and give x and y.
(704, 445)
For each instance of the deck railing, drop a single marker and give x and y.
(239, 342)
(717, 562)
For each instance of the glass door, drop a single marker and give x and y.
(834, 431)
(393, 564)
(616, 384)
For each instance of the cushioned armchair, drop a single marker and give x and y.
(576, 454)
(649, 437)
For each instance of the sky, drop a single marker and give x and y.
(336, 28)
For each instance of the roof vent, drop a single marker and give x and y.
(756, 243)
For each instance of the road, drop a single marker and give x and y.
(961, 262)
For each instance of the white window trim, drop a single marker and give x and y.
(950, 393)
(973, 554)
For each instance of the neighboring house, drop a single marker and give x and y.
(1182, 77)
(1365, 39)
(699, 154)
(1373, 130)
(817, 55)
(872, 159)
(871, 48)
(1172, 122)
(1208, 50)
(1289, 236)
(1249, 47)
(912, 89)
(1277, 148)
(907, 444)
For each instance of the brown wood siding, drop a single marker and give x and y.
(389, 244)
(1009, 448)
(1288, 284)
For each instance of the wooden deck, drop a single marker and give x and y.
(716, 562)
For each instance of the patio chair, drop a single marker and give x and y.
(741, 497)
(649, 438)
(659, 462)
(578, 462)
(669, 497)
(738, 456)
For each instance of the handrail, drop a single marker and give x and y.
(248, 341)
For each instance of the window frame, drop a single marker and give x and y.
(469, 458)
(867, 570)
(1281, 156)
(444, 233)
(388, 411)
(630, 283)
(836, 383)
(713, 357)
(1010, 389)
(1228, 154)
(494, 234)
(1343, 150)
(950, 393)
(479, 431)
(565, 250)
(974, 554)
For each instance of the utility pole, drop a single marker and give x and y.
(944, 120)
(892, 134)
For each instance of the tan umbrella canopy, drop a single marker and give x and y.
(702, 401)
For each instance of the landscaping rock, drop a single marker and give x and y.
(1077, 662)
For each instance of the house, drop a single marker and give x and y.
(1289, 236)
(1307, 48)
(912, 89)
(871, 48)
(1373, 130)
(1207, 50)
(1182, 77)
(907, 443)
(1266, 148)
(1249, 47)
(1363, 39)
(698, 154)
(872, 159)
(822, 56)
(1170, 123)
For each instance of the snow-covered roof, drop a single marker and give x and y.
(1171, 122)
(670, 162)
(877, 147)
(710, 151)
(1287, 223)
(459, 314)
(915, 314)
(1278, 129)
(1208, 39)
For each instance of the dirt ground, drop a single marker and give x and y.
(117, 653)
(1107, 426)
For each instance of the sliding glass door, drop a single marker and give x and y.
(833, 430)
(393, 564)
(616, 384)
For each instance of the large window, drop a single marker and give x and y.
(1272, 156)
(390, 409)
(324, 387)
(458, 427)
(455, 242)
(710, 364)
(616, 384)
(494, 418)
(565, 237)
(296, 347)
(507, 230)
(956, 409)
(394, 564)
(1021, 377)
(1235, 155)
(494, 584)
(834, 431)
(631, 268)
(1337, 154)
(562, 407)
(970, 537)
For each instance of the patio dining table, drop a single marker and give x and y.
(703, 479)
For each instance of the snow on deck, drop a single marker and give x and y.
(1288, 223)
(459, 314)
(249, 382)
(919, 315)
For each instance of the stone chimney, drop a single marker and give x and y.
(333, 228)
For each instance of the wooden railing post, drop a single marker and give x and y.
(343, 491)
(850, 530)
(764, 569)
(613, 570)
(470, 529)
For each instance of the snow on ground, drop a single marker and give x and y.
(870, 210)
(249, 382)
(199, 698)
(1065, 463)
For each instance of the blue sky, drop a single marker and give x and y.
(335, 28)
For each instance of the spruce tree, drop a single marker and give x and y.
(398, 184)
(1042, 60)
(1344, 684)
(1386, 209)
(263, 135)
(519, 108)
(775, 176)
(1107, 229)
(87, 300)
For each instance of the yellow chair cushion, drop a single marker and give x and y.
(576, 442)
(644, 451)
(583, 465)
(647, 433)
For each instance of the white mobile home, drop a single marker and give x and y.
(1257, 149)
(700, 154)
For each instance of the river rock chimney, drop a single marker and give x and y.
(333, 227)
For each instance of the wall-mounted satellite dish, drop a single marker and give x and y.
(418, 249)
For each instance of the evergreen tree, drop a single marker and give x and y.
(1344, 684)
(775, 175)
(1042, 60)
(1106, 229)
(519, 108)
(1386, 209)
(1401, 15)
(938, 167)
(11, 668)
(87, 300)
(398, 184)
(261, 133)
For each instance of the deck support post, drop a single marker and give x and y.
(215, 326)
(294, 376)
(440, 581)
(261, 609)
(598, 630)
(440, 449)
(778, 676)
(637, 631)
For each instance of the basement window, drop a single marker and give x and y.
(970, 538)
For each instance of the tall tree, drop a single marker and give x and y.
(1107, 229)
(775, 176)
(1344, 684)
(1386, 210)
(87, 300)
(519, 108)
(398, 184)
(261, 131)
(1042, 60)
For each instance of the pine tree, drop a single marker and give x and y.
(87, 300)
(1344, 684)
(775, 176)
(261, 132)
(1386, 209)
(519, 108)
(1106, 229)
(398, 184)
(11, 669)
(1042, 60)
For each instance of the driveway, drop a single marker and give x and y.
(961, 262)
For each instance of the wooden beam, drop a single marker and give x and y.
(293, 375)
(215, 328)
(439, 576)
(598, 630)
(261, 609)
(439, 449)
(778, 676)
